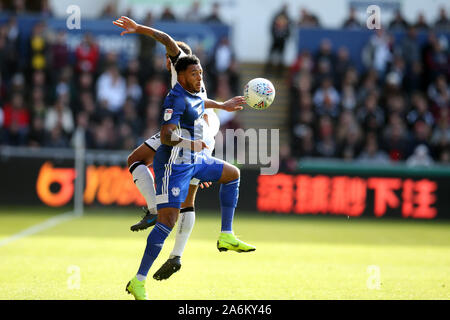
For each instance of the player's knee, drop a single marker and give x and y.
(168, 218)
(236, 173)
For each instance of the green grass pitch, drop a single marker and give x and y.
(296, 258)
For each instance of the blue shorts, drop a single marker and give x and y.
(172, 180)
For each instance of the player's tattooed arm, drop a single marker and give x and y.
(171, 138)
(233, 104)
(131, 26)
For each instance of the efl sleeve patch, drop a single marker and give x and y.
(168, 114)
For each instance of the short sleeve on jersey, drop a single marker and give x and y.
(173, 108)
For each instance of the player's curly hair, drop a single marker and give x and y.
(185, 47)
(184, 62)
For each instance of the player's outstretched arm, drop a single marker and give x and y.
(233, 104)
(131, 26)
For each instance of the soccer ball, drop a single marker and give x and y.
(259, 93)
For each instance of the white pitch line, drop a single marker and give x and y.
(49, 223)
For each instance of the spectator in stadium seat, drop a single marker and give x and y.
(325, 52)
(347, 121)
(348, 97)
(287, 163)
(214, 17)
(323, 70)
(396, 139)
(37, 136)
(223, 55)
(38, 105)
(377, 53)
(395, 103)
(306, 145)
(398, 22)
(303, 63)
(409, 48)
(59, 52)
(439, 93)
(64, 85)
(308, 19)
(436, 57)
(16, 120)
(326, 99)
(440, 139)
(59, 115)
(370, 114)
(87, 54)
(57, 138)
(83, 121)
(126, 140)
(326, 145)
(167, 14)
(420, 157)
(302, 114)
(46, 10)
(11, 34)
(280, 29)
(442, 23)
(194, 14)
(444, 157)
(111, 88)
(130, 117)
(134, 90)
(421, 23)
(420, 111)
(371, 153)
(105, 135)
(146, 53)
(352, 21)
(342, 64)
(39, 47)
(234, 78)
(414, 80)
(109, 11)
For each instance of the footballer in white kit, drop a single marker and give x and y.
(142, 157)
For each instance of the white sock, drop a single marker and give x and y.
(143, 179)
(185, 225)
(141, 277)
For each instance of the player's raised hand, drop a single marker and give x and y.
(234, 104)
(126, 23)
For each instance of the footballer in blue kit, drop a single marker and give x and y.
(180, 158)
(175, 166)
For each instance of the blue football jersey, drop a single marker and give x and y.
(185, 110)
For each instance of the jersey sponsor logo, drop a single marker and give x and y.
(176, 191)
(168, 114)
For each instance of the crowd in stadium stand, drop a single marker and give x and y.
(45, 95)
(397, 109)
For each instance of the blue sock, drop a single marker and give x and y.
(229, 194)
(155, 242)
